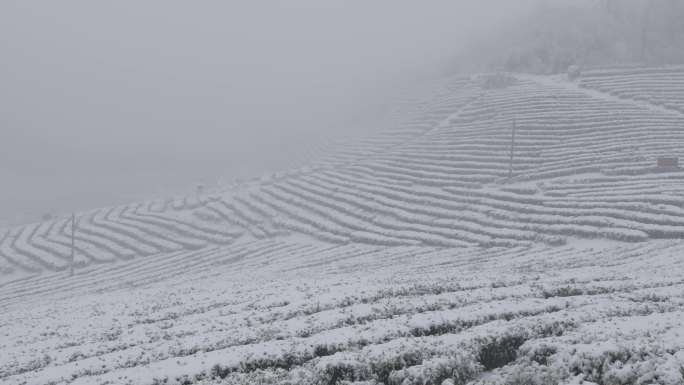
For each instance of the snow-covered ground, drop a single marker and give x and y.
(408, 257)
(294, 312)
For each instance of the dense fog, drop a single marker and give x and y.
(103, 103)
(107, 102)
(337, 192)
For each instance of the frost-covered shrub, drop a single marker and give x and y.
(610, 364)
(263, 377)
(75, 356)
(538, 352)
(287, 361)
(498, 351)
(556, 328)
(112, 334)
(384, 367)
(442, 328)
(160, 380)
(333, 372)
(457, 369)
(522, 374)
(185, 380)
(649, 297)
(37, 363)
(323, 350)
(219, 371)
(565, 291)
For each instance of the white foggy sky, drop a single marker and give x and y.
(107, 101)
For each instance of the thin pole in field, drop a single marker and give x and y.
(512, 151)
(73, 244)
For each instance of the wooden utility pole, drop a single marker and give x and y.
(73, 244)
(512, 152)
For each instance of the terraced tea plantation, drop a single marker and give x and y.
(507, 229)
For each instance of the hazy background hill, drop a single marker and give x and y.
(557, 34)
(98, 107)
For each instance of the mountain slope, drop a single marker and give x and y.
(409, 257)
(582, 167)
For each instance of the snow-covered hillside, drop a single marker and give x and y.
(412, 256)
(287, 312)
